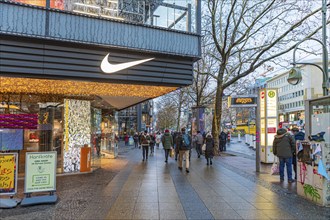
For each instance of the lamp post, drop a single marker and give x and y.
(295, 74)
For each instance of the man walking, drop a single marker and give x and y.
(283, 147)
(223, 140)
(183, 142)
(199, 143)
(136, 140)
(167, 142)
(145, 140)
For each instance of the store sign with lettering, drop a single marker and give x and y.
(40, 172)
(8, 173)
(243, 101)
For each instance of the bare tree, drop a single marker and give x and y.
(166, 114)
(247, 34)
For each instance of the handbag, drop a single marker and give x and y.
(172, 153)
(204, 147)
(275, 170)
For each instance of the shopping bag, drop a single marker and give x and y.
(172, 153)
(275, 170)
(204, 147)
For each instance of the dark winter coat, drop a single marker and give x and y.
(167, 141)
(136, 138)
(299, 136)
(223, 137)
(209, 150)
(283, 145)
(145, 139)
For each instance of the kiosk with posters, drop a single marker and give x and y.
(313, 155)
(40, 176)
(8, 180)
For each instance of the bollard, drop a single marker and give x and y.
(239, 137)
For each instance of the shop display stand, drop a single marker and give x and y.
(37, 200)
(9, 203)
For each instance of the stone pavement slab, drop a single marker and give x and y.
(127, 188)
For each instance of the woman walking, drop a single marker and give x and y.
(209, 149)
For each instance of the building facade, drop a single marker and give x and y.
(68, 66)
(291, 97)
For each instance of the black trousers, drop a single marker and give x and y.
(145, 150)
(222, 146)
(167, 152)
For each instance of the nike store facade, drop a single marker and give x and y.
(64, 74)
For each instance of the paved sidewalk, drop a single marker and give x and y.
(127, 188)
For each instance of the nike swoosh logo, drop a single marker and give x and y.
(107, 67)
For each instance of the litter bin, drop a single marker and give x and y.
(85, 159)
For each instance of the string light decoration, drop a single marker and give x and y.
(9, 85)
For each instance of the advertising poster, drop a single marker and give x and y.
(8, 173)
(40, 172)
(11, 139)
(271, 103)
(262, 104)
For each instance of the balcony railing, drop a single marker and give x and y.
(171, 14)
(74, 21)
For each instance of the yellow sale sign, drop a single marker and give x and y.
(8, 173)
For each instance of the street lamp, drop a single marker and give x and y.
(295, 74)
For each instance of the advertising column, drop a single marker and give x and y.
(268, 123)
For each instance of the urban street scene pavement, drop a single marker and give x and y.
(88, 87)
(128, 188)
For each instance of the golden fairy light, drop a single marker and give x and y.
(9, 85)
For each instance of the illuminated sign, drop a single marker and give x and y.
(40, 172)
(8, 173)
(107, 67)
(243, 101)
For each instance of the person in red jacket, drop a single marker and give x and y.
(126, 139)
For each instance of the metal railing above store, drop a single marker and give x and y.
(170, 14)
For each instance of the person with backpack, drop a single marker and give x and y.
(145, 140)
(183, 143)
(222, 141)
(167, 142)
(283, 148)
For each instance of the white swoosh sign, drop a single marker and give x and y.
(107, 67)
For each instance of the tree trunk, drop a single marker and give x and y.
(178, 119)
(217, 117)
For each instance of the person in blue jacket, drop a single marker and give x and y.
(298, 135)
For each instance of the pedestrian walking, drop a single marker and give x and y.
(283, 148)
(176, 149)
(209, 149)
(298, 136)
(136, 140)
(167, 142)
(158, 139)
(126, 139)
(152, 144)
(199, 142)
(222, 141)
(145, 139)
(183, 142)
